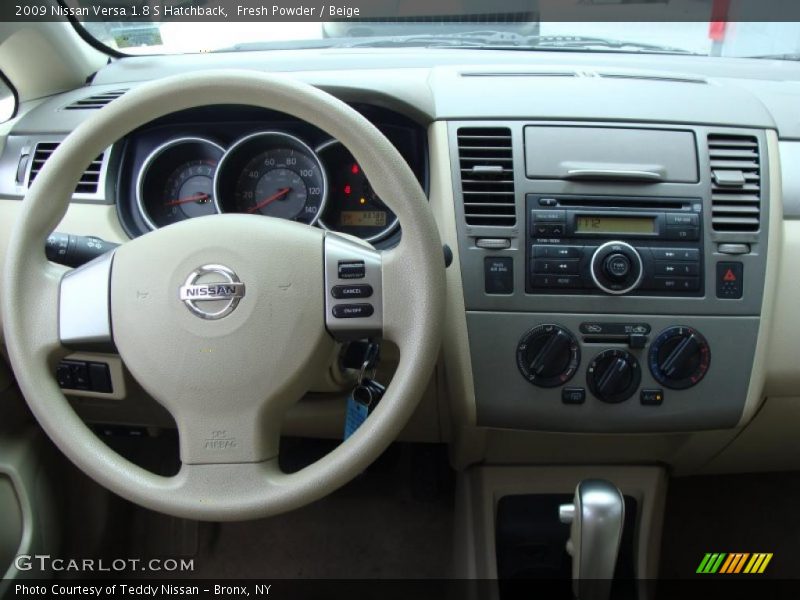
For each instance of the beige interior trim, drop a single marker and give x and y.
(772, 291)
(456, 346)
(42, 58)
(783, 354)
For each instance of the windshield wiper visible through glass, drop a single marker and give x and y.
(504, 40)
(787, 56)
(481, 39)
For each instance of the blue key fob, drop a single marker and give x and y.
(357, 411)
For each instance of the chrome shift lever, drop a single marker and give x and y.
(596, 519)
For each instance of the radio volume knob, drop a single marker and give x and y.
(616, 268)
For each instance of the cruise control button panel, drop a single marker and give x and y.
(353, 284)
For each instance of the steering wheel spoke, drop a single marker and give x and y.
(210, 434)
(84, 309)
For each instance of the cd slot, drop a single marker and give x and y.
(651, 204)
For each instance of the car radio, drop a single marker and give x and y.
(614, 245)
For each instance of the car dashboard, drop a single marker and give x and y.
(622, 229)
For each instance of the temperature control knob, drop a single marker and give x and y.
(614, 375)
(679, 357)
(616, 268)
(548, 355)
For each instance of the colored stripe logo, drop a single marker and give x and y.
(734, 562)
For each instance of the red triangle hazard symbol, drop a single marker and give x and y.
(729, 276)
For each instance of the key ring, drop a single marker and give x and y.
(364, 368)
(370, 363)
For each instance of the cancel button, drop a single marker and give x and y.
(360, 290)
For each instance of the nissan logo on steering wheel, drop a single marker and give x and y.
(212, 291)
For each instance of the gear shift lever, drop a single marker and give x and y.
(596, 519)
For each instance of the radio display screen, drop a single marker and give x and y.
(610, 224)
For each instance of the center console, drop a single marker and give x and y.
(613, 275)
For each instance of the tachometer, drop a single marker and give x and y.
(273, 174)
(176, 181)
(353, 206)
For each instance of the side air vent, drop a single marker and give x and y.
(90, 180)
(95, 101)
(735, 182)
(487, 176)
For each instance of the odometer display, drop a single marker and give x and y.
(272, 174)
(365, 218)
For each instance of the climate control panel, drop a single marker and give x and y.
(549, 355)
(606, 373)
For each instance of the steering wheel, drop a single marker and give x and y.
(223, 319)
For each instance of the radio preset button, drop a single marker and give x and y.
(676, 253)
(556, 281)
(677, 269)
(553, 251)
(548, 265)
(682, 284)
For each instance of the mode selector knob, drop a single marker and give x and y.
(616, 268)
(614, 375)
(548, 355)
(679, 357)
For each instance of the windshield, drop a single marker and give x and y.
(701, 37)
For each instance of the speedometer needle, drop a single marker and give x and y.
(276, 196)
(194, 198)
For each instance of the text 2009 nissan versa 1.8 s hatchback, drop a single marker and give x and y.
(484, 302)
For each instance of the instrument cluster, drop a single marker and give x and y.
(274, 171)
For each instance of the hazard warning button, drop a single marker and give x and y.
(730, 280)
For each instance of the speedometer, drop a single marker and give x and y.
(273, 174)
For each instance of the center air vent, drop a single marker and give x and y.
(90, 180)
(487, 176)
(95, 101)
(735, 182)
